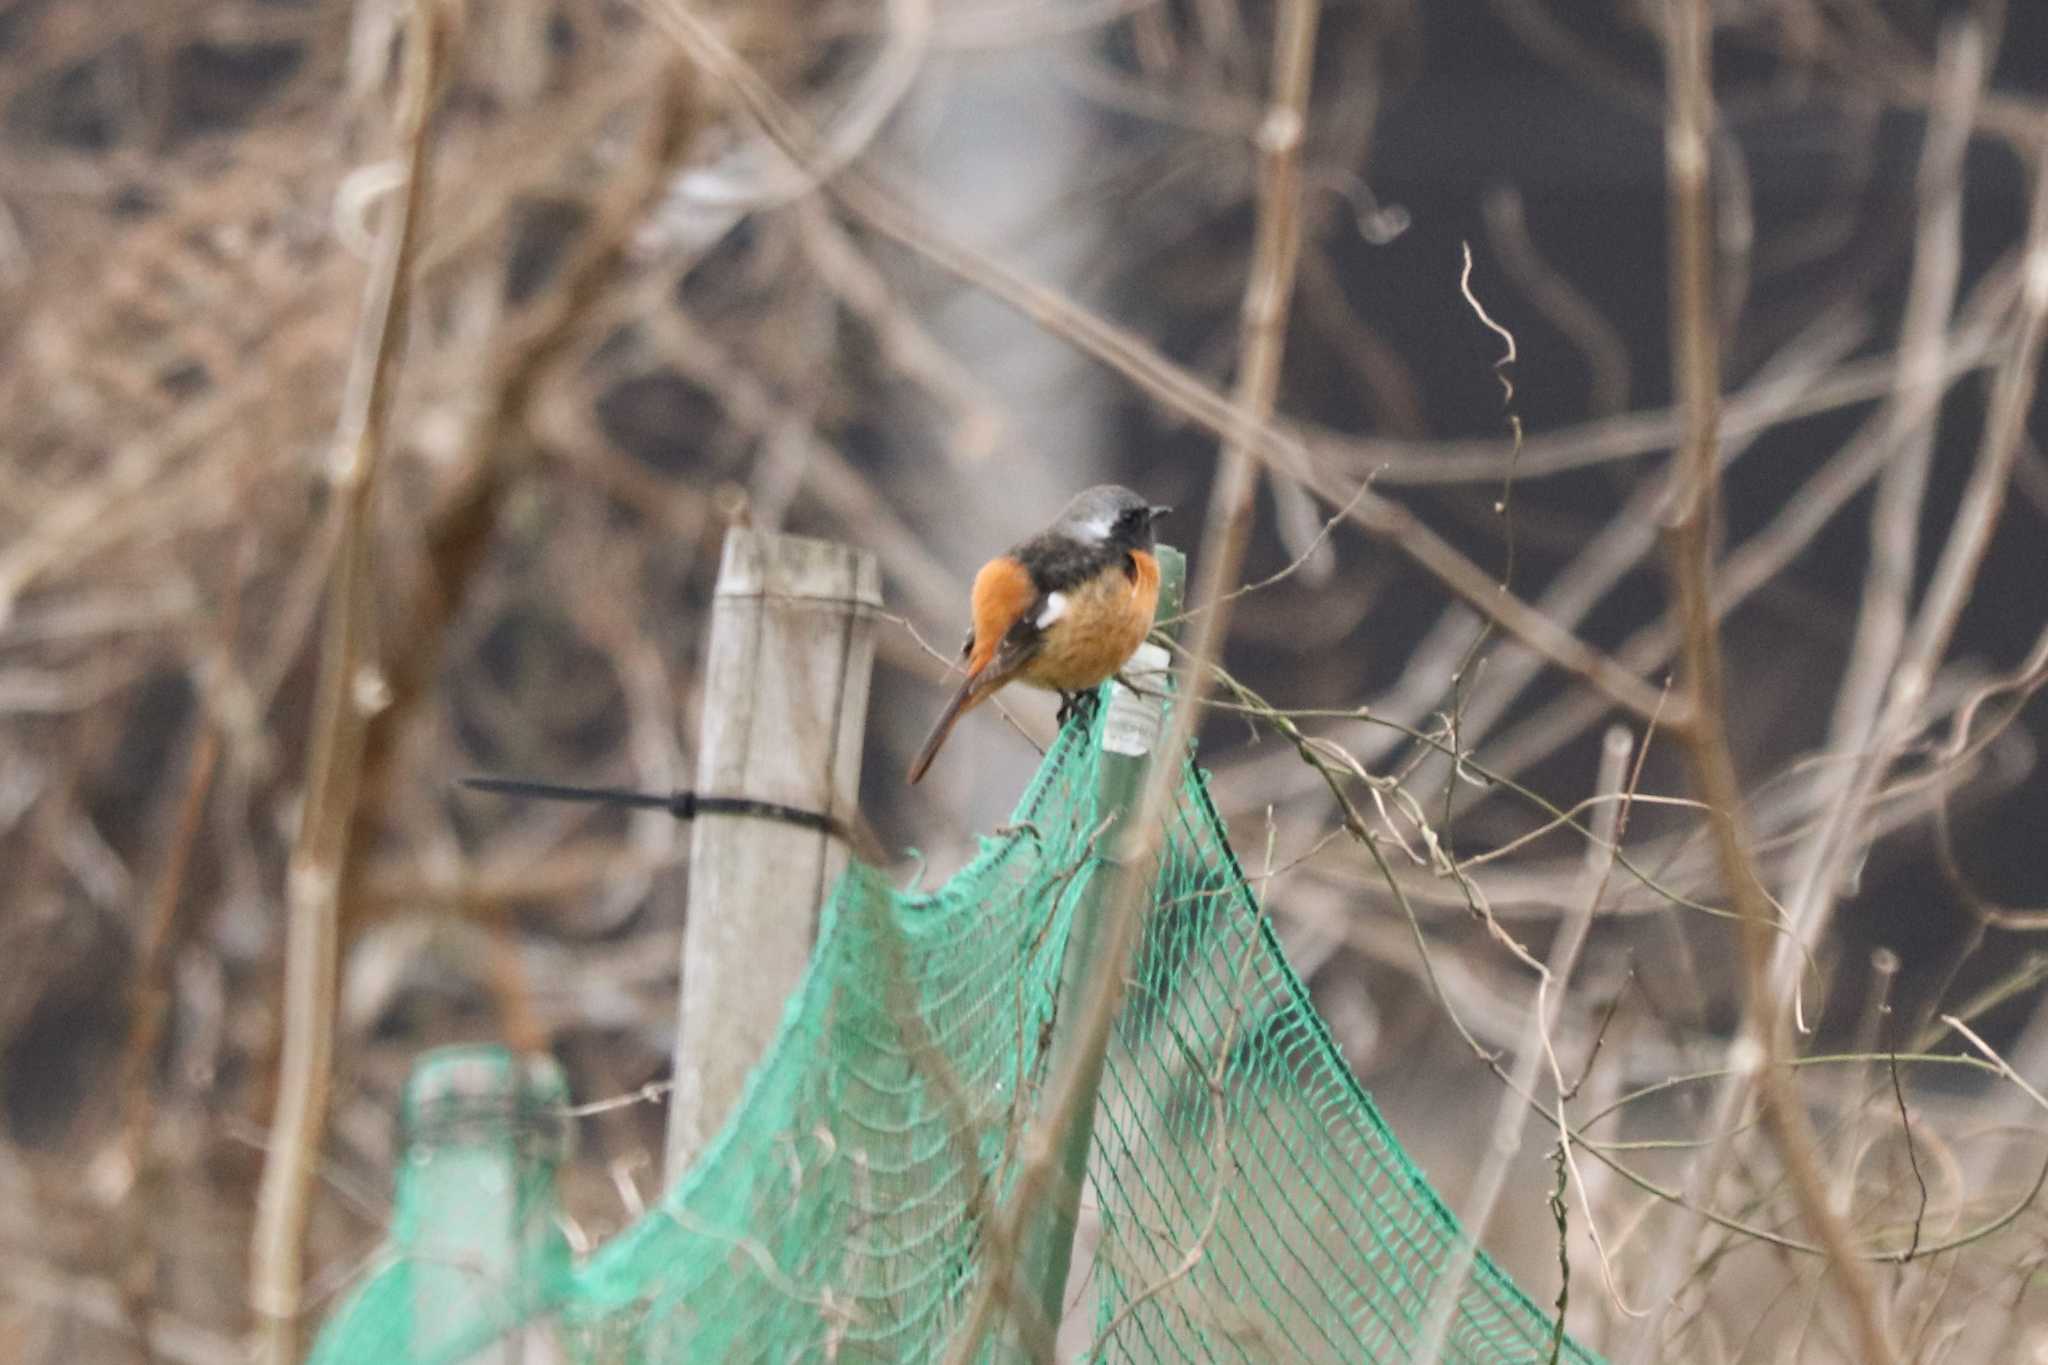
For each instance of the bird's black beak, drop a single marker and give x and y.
(1158, 513)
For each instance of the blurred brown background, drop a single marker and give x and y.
(610, 354)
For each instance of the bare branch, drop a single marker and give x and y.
(350, 691)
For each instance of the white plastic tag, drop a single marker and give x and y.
(1131, 725)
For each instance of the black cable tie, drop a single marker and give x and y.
(683, 805)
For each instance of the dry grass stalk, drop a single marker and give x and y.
(350, 691)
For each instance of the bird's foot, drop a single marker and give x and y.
(1079, 705)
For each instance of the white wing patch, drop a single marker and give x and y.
(1055, 607)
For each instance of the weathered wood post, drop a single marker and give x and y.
(785, 709)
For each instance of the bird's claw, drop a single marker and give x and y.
(1077, 704)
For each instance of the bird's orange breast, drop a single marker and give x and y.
(1105, 621)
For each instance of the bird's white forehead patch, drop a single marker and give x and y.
(1055, 607)
(1095, 528)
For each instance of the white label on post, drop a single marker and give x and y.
(1131, 726)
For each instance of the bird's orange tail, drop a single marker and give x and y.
(963, 701)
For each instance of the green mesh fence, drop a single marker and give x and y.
(840, 1214)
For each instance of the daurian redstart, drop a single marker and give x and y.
(1064, 610)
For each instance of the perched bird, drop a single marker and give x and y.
(1063, 611)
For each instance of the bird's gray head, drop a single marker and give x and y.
(1110, 514)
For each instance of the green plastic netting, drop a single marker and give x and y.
(838, 1215)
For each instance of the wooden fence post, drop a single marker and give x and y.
(785, 710)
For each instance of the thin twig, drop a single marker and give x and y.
(1916, 404)
(152, 1000)
(2005, 1068)
(1511, 1114)
(348, 692)
(1262, 338)
(1697, 381)
(1404, 463)
(1912, 1153)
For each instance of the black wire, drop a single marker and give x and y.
(683, 805)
